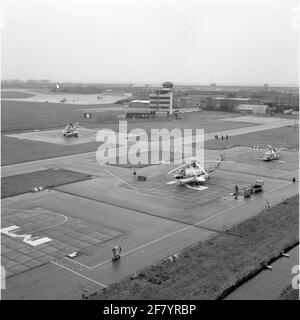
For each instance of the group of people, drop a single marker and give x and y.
(222, 137)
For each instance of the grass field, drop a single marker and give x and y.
(287, 137)
(207, 120)
(14, 150)
(15, 94)
(22, 183)
(22, 116)
(212, 267)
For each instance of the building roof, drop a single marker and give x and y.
(234, 99)
(251, 106)
(140, 101)
(167, 84)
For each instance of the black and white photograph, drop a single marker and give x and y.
(149, 152)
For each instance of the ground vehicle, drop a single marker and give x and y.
(254, 188)
(257, 187)
(247, 192)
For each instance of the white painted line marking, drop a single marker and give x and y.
(169, 235)
(79, 274)
(278, 188)
(42, 211)
(81, 264)
(182, 229)
(171, 182)
(27, 238)
(118, 178)
(199, 188)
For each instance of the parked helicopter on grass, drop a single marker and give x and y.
(193, 172)
(271, 154)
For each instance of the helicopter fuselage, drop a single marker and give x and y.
(190, 175)
(270, 155)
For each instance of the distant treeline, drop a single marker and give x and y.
(63, 86)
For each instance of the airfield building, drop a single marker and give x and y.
(139, 113)
(162, 99)
(191, 102)
(252, 108)
(218, 101)
(116, 93)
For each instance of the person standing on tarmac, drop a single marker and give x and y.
(236, 189)
(116, 252)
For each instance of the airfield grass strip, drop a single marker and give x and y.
(287, 137)
(23, 183)
(215, 267)
(289, 294)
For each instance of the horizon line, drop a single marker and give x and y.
(160, 82)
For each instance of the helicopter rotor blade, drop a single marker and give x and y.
(177, 168)
(202, 169)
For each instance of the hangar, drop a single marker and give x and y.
(252, 108)
(140, 114)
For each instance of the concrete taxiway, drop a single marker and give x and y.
(151, 220)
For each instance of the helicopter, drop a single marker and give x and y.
(193, 172)
(271, 154)
(71, 130)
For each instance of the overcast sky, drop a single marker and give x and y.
(184, 41)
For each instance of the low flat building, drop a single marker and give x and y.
(139, 113)
(252, 108)
(192, 101)
(161, 114)
(116, 93)
(228, 104)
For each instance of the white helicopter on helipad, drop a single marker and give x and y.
(271, 153)
(71, 130)
(192, 172)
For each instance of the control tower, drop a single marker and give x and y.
(162, 98)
